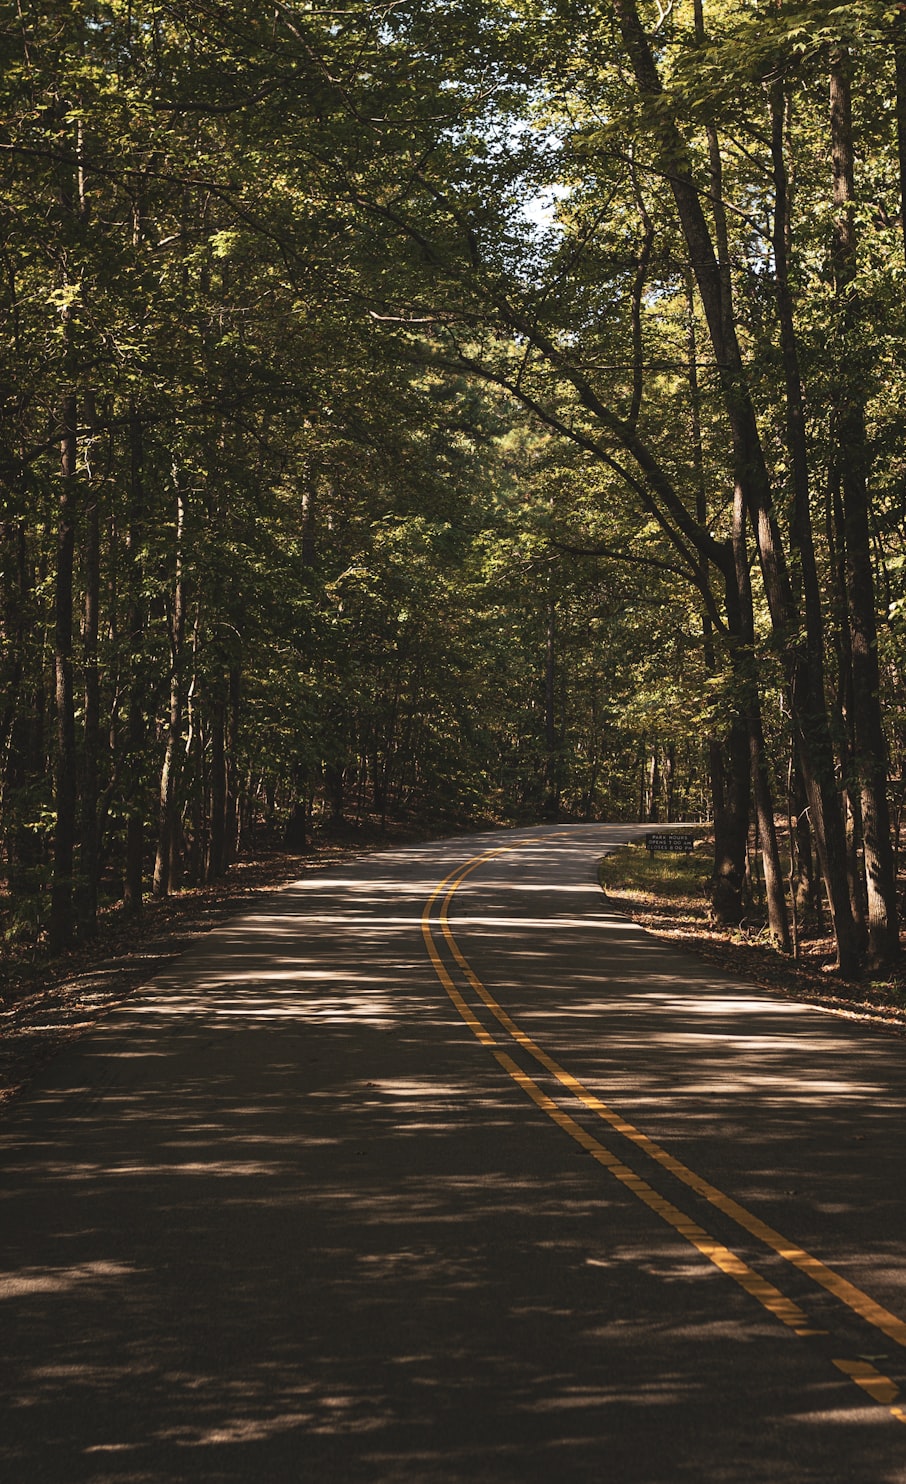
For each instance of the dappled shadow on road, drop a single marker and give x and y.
(283, 1219)
(734, 1078)
(794, 1111)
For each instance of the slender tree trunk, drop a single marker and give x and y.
(638, 290)
(744, 659)
(805, 884)
(643, 781)
(669, 774)
(796, 437)
(91, 725)
(899, 52)
(775, 892)
(794, 875)
(844, 706)
(234, 814)
(167, 796)
(216, 853)
(851, 447)
(24, 720)
(730, 831)
(654, 784)
(743, 618)
(716, 196)
(201, 843)
(65, 784)
(133, 886)
(854, 855)
(551, 768)
(12, 635)
(194, 761)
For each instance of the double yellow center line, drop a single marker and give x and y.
(865, 1375)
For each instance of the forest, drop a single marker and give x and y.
(476, 411)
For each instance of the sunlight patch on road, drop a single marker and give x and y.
(229, 1000)
(412, 1089)
(379, 886)
(201, 1167)
(59, 1280)
(572, 889)
(357, 919)
(547, 924)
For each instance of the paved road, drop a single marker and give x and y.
(397, 1184)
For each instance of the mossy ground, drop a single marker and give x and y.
(675, 882)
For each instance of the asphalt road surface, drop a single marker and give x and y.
(395, 1180)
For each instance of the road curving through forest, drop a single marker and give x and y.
(282, 1216)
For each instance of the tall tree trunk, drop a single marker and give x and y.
(65, 782)
(133, 886)
(12, 634)
(843, 702)
(775, 893)
(23, 718)
(654, 784)
(744, 658)
(201, 823)
(802, 856)
(669, 782)
(636, 302)
(89, 862)
(216, 851)
(551, 760)
(234, 784)
(742, 618)
(851, 450)
(167, 796)
(730, 829)
(716, 196)
(195, 761)
(899, 53)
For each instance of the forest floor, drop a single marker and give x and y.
(667, 894)
(46, 1002)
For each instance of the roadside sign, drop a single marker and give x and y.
(681, 844)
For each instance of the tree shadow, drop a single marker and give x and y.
(282, 1218)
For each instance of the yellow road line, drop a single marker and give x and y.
(841, 1288)
(728, 1262)
(878, 1386)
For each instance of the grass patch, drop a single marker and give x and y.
(632, 873)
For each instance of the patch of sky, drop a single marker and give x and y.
(520, 160)
(540, 207)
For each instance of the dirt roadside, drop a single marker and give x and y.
(880, 1003)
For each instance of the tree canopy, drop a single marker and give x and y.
(452, 412)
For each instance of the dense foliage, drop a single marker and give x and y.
(456, 411)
